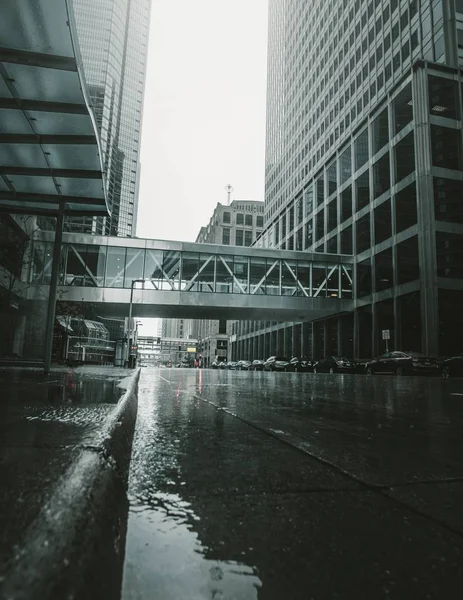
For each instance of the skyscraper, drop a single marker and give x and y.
(363, 157)
(113, 40)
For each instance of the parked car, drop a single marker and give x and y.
(301, 365)
(453, 367)
(243, 365)
(276, 363)
(335, 364)
(404, 363)
(223, 364)
(214, 365)
(256, 365)
(232, 365)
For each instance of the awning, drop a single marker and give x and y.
(49, 145)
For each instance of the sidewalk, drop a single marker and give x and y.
(65, 443)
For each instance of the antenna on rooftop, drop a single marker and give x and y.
(229, 190)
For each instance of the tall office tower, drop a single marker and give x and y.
(364, 158)
(113, 40)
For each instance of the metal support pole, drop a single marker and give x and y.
(53, 290)
(129, 324)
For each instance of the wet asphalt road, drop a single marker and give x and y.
(274, 486)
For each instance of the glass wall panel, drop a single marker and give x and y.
(333, 283)
(443, 97)
(364, 278)
(448, 200)
(346, 203)
(346, 282)
(381, 176)
(303, 276)
(288, 283)
(224, 278)
(345, 165)
(332, 245)
(134, 265)
(240, 270)
(405, 157)
(206, 276)
(152, 269)
(346, 240)
(361, 149)
(408, 265)
(320, 191)
(380, 131)
(384, 273)
(258, 269)
(171, 262)
(309, 234)
(115, 266)
(95, 265)
(450, 322)
(362, 186)
(272, 283)
(319, 285)
(449, 248)
(362, 229)
(190, 266)
(320, 219)
(332, 215)
(410, 320)
(403, 109)
(405, 208)
(383, 222)
(332, 179)
(308, 200)
(446, 147)
(75, 267)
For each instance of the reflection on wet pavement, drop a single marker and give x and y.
(261, 485)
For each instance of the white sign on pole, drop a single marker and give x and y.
(386, 334)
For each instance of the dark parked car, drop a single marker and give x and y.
(301, 365)
(257, 365)
(243, 365)
(232, 365)
(404, 363)
(453, 367)
(276, 363)
(335, 364)
(214, 365)
(223, 364)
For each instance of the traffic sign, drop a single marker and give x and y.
(386, 334)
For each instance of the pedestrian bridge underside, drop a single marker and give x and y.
(188, 280)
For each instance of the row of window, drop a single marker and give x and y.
(242, 238)
(244, 219)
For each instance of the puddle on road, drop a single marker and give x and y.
(34, 389)
(165, 558)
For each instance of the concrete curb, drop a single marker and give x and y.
(75, 548)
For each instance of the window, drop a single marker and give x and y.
(384, 272)
(408, 261)
(382, 222)
(405, 157)
(446, 147)
(345, 165)
(248, 238)
(240, 219)
(403, 109)
(346, 203)
(380, 131)
(362, 191)
(361, 149)
(332, 179)
(381, 176)
(226, 217)
(332, 215)
(448, 200)
(308, 195)
(405, 208)
(443, 97)
(226, 236)
(320, 220)
(364, 281)
(239, 237)
(363, 233)
(346, 240)
(309, 234)
(259, 222)
(449, 248)
(320, 191)
(248, 220)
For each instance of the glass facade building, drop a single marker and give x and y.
(364, 157)
(113, 40)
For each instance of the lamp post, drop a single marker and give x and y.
(129, 323)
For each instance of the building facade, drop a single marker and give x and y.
(113, 40)
(364, 157)
(237, 224)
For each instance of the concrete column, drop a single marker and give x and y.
(19, 333)
(426, 219)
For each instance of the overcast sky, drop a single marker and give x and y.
(204, 113)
